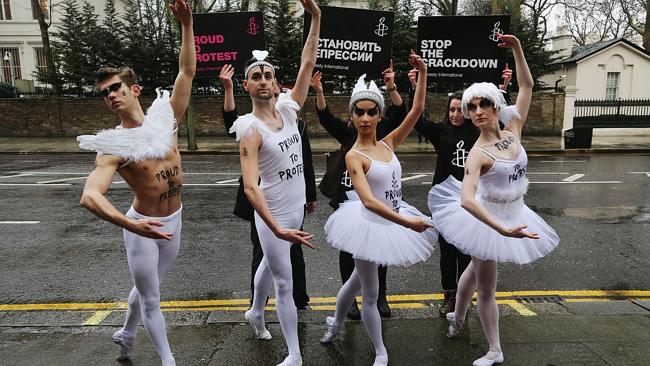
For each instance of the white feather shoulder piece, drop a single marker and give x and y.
(152, 140)
(246, 125)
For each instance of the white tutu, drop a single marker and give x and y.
(367, 236)
(473, 237)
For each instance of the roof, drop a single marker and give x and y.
(583, 52)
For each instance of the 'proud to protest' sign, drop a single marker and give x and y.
(226, 38)
(353, 41)
(463, 48)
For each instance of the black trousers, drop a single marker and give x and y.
(346, 266)
(300, 296)
(452, 264)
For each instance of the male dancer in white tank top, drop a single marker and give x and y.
(270, 153)
(144, 152)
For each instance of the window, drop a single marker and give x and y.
(41, 61)
(45, 8)
(5, 10)
(6, 73)
(611, 88)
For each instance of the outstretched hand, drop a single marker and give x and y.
(147, 228)
(507, 76)
(519, 232)
(296, 236)
(315, 81)
(310, 7)
(413, 78)
(182, 11)
(417, 62)
(227, 71)
(508, 41)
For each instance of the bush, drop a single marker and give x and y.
(6, 90)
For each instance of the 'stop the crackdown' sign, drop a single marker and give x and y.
(470, 55)
(226, 38)
(353, 41)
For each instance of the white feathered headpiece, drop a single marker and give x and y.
(490, 91)
(363, 92)
(260, 56)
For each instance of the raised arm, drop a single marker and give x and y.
(186, 59)
(391, 88)
(395, 138)
(225, 76)
(249, 158)
(524, 81)
(308, 57)
(316, 84)
(94, 200)
(354, 164)
(477, 161)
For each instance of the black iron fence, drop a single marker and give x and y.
(611, 113)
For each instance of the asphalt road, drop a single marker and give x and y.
(598, 204)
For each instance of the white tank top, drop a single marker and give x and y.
(385, 179)
(506, 180)
(280, 157)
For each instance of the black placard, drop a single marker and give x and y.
(226, 38)
(353, 41)
(463, 48)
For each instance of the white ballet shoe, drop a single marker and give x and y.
(126, 345)
(260, 331)
(489, 359)
(331, 332)
(381, 360)
(454, 325)
(292, 360)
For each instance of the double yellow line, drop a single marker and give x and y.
(410, 301)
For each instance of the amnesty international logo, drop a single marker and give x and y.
(460, 155)
(381, 29)
(253, 28)
(495, 30)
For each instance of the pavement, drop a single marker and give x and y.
(226, 145)
(602, 329)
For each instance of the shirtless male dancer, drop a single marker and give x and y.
(143, 150)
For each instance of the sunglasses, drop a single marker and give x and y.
(111, 88)
(483, 103)
(371, 112)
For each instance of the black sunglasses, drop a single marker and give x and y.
(111, 88)
(483, 103)
(371, 112)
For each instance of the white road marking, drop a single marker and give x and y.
(582, 182)
(16, 175)
(119, 182)
(221, 182)
(413, 177)
(646, 173)
(545, 173)
(318, 180)
(563, 161)
(34, 184)
(573, 178)
(19, 222)
(60, 180)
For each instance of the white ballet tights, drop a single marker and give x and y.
(149, 260)
(275, 269)
(364, 278)
(482, 276)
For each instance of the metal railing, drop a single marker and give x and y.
(612, 113)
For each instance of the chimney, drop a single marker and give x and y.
(562, 42)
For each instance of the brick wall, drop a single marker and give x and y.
(67, 117)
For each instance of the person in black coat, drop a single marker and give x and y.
(345, 133)
(244, 209)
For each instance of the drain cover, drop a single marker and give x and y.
(539, 299)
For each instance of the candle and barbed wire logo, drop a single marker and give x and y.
(253, 27)
(381, 29)
(495, 30)
(461, 155)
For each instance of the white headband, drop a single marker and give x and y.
(363, 92)
(259, 56)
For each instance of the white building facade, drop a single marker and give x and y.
(20, 36)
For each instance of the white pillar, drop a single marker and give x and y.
(569, 109)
